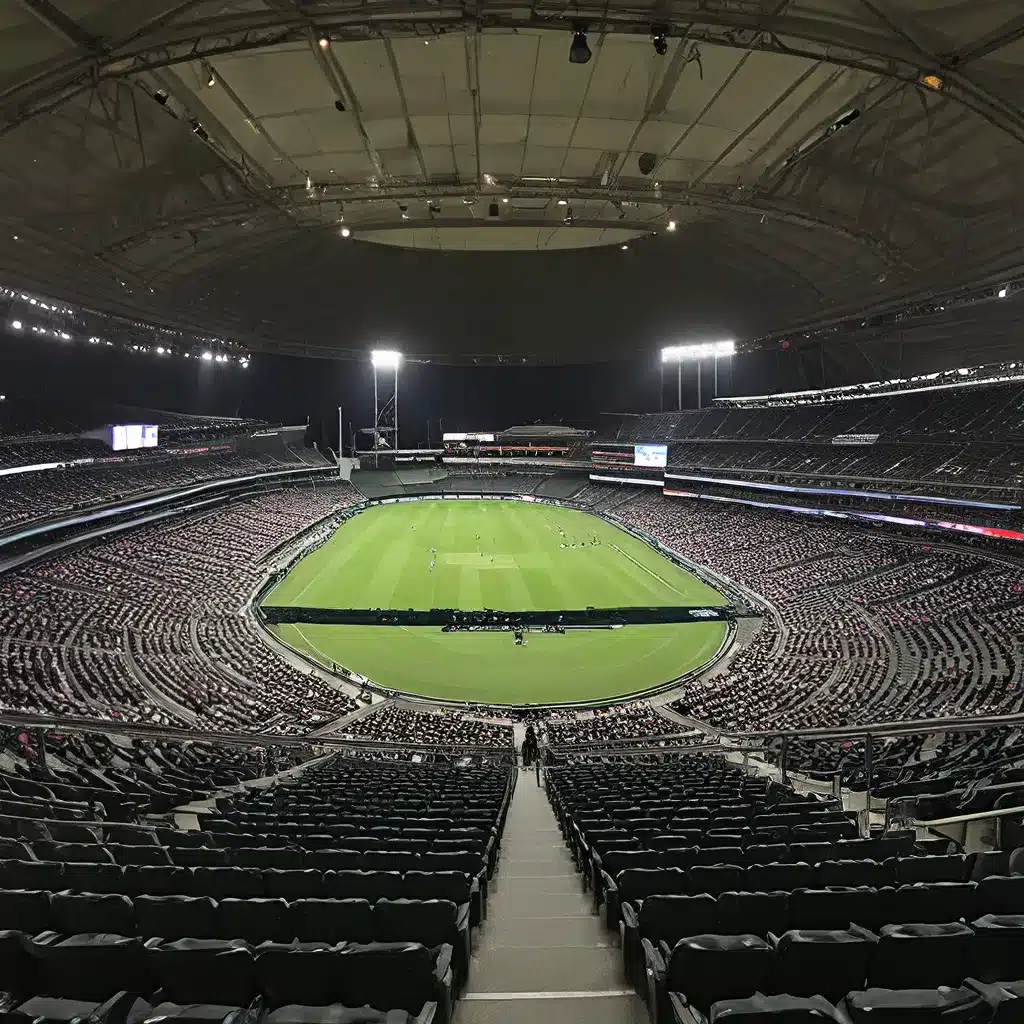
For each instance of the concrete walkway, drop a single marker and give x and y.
(541, 956)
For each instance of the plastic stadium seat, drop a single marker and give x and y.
(82, 973)
(11, 849)
(239, 883)
(292, 885)
(199, 856)
(255, 920)
(152, 880)
(856, 873)
(768, 853)
(922, 956)
(32, 874)
(84, 877)
(267, 857)
(761, 1009)
(834, 908)
(939, 868)
(1001, 894)
(333, 921)
(212, 978)
(176, 917)
(108, 913)
(396, 976)
(72, 853)
(753, 913)
(24, 910)
(915, 1006)
(811, 853)
(717, 879)
(932, 903)
(780, 877)
(827, 963)
(369, 885)
(705, 969)
(998, 947)
(139, 854)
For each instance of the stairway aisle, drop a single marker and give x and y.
(541, 956)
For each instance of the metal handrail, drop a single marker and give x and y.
(142, 730)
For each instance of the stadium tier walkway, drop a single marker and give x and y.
(543, 956)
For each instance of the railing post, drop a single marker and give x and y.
(869, 765)
(782, 759)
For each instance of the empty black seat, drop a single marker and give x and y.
(290, 884)
(932, 903)
(81, 973)
(103, 913)
(239, 883)
(333, 921)
(998, 947)
(254, 920)
(938, 868)
(922, 956)
(705, 969)
(1001, 894)
(24, 910)
(780, 877)
(856, 873)
(207, 978)
(753, 913)
(915, 1006)
(99, 877)
(828, 909)
(360, 885)
(762, 1009)
(716, 879)
(827, 963)
(32, 874)
(176, 917)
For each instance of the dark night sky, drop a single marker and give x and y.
(289, 389)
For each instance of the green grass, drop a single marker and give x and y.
(508, 555)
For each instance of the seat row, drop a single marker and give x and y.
(429, 922)
(723, 873)
(666, 919)
(248, 883)
(688, 979)
(110, 977)
(634, 884)
(756, 848)
(443, 859)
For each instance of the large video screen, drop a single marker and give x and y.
(650, 456)
(126, 436)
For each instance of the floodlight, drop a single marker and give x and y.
(207, 357)
(16, 324)
(1003, 292)
(659, 36)
(702, 350)
(385, 359)
(345, 232)
(323, 40)
(671, 225)
(579, 51)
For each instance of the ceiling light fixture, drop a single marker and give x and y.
(345, 232)
(623, 246)
(671, 225)
(211, 78)
(1003, 292)
(933, 82)
(579, 51)
(659, 37)
(323, 40)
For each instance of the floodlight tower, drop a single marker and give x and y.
(385, 417)
(696, 353)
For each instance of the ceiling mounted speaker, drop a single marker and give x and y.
(646, 162)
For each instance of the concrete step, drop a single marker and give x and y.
(547, 932)
(581, 1008)
(546, 969)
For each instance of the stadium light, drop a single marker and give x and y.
(385, 419)
(695, 353)
(702, 350)
(16, 324)
(385, 359)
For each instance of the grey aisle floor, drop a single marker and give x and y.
(542, 956)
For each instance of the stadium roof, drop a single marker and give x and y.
(193, 163)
